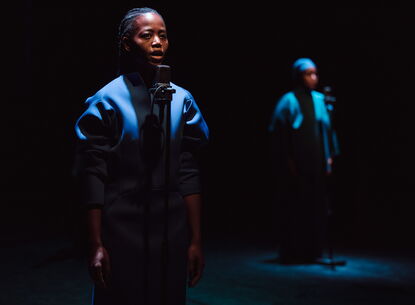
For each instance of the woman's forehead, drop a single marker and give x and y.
(149, 20)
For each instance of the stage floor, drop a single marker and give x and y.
(239, 271)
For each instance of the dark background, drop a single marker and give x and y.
(236, 61)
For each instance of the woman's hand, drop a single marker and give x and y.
(99, 266)
(196, 264)
(330, 165)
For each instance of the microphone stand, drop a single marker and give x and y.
(330, 100)
(162, 95)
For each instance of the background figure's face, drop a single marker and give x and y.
(149, 39)
(310, 78)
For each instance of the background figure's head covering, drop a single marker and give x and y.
(301, 65)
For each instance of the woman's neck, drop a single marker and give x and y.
(302, 89)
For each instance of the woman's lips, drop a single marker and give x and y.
(157, 54)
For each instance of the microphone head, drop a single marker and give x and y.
(161, 88)
(328, 98)
(327, 90)
(163, 75)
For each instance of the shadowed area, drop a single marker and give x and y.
(238, 272)
(236, 64)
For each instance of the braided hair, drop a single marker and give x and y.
(127, 24)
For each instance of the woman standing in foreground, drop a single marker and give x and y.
(121, 173)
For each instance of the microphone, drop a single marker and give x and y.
(162, 90)
(328, 97)
(163, 75)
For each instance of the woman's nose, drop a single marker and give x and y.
(156, 41)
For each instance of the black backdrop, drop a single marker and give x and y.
(236, 61)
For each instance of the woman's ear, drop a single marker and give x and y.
(125, 43)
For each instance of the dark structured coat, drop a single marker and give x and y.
(121, 168)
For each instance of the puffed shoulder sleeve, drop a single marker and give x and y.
(96, 133)
(195, 138)
(196, 131)
(280, 114)
(280, 136)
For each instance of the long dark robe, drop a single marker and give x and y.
(300, 132)
(117, 175)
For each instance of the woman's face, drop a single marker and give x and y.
(310, 78)
(149, 39)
